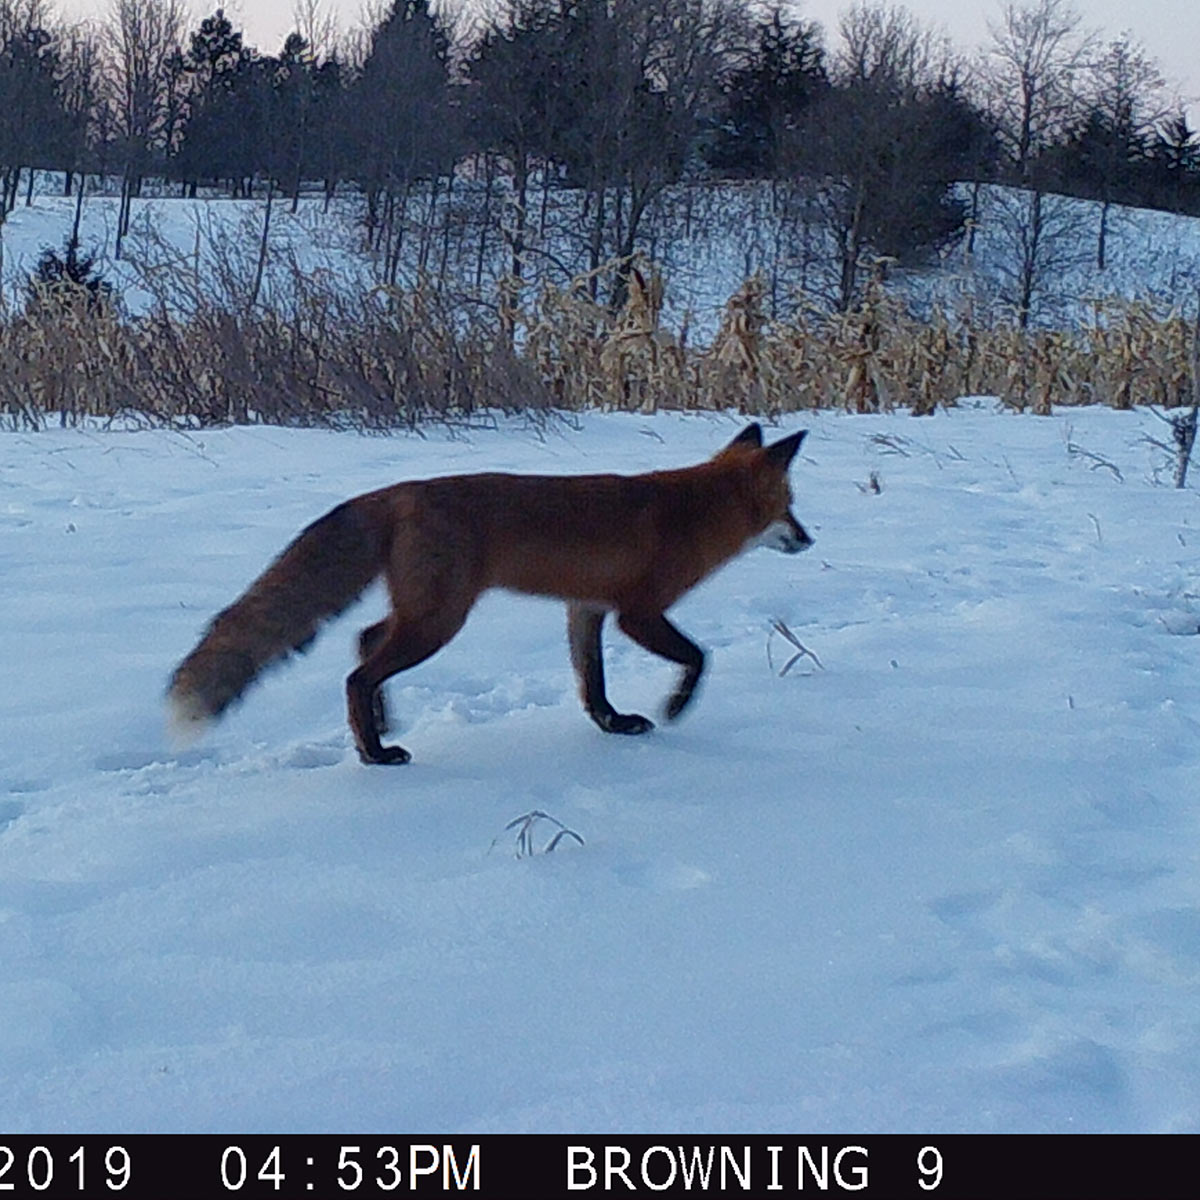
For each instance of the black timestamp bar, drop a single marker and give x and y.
(558, 1167)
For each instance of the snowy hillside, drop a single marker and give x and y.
(180, 245)
(708, 243)
(949, 880)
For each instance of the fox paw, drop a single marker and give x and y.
(632, 723)
(386, 756)
(678, 702)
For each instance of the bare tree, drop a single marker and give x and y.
(515, 107)
(1031, 73)
(80, 90)
(405, 132)
(316, 21)
(1041, 240)
(886, 44)
(19, 16)
(887, 140)
(141, 36)
(635, 77)
(1126, 98)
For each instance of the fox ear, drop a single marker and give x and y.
(781, 453)
(749, 439)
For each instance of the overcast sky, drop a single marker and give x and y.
(1169, 29)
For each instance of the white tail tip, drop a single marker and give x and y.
(187, 720)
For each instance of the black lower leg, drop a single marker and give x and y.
(369, 640)
(362, 703)
(660, 637)
(584, 626)
(405, 645)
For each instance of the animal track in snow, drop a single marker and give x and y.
(10, 811)
(311, 756)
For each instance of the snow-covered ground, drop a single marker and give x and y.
(950, 881)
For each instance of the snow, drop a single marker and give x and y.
(708, 242)
(947, 880)
(178, 249)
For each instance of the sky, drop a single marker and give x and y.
(1169, 29)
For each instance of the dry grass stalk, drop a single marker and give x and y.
(734, 371)
(316, 352)
(643, 366)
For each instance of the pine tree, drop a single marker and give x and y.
(516, 100)
(217, 62)
(403, 128)
(67, 282)
(1175, 164)
(768, 95)
(33, 122)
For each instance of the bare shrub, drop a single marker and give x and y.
(316, 354)
(307, 349)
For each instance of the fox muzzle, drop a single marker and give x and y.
(786, 535)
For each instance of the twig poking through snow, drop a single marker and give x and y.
(889, 443)
(524, 826)
(1098, 461)
(802, 651)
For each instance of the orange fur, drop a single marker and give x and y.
(631, 545)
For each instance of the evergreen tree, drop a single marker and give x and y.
(1174, 156)
(34, 125)
(294, 102)
(330, 123)
(60, 282)
(218, 63)
(516, 100)
(768, 95)
(403, 125)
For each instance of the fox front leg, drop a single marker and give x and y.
(660, 637)
(584, 626)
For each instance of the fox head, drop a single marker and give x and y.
(770, 493)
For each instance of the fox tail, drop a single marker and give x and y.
(319, 575)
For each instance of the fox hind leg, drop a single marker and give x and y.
(584, 626)
(660, 637)
(369, 640)
(403, 644)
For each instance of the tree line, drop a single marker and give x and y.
(873, 133)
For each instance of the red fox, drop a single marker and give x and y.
(629, 545)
